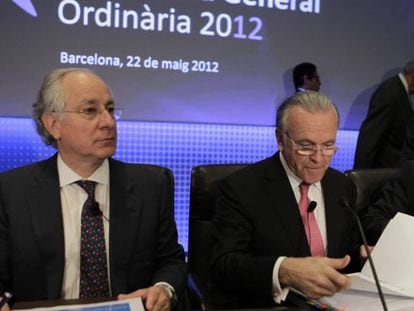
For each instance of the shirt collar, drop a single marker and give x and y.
(67, 176)
(404, 82)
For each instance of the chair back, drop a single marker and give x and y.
(205, 180)
(368, 182)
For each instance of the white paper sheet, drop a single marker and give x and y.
(393, 257)
(367, 283)
(355, 300)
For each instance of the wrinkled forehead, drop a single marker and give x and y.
(84, 88)
(301, 122)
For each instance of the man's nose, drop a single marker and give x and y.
(107, 117)
(317, 156)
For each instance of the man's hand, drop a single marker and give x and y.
(155, 298)
(5, 308)
(314, 276)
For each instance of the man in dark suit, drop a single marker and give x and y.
(383, 132)
(44, 209)
(266, 242)
(306, 77)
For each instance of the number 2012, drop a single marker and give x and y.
(224, 26)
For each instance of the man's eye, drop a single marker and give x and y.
(90, 110)
(308, 148)
(110, 109)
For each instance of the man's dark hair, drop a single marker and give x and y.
(301, 70)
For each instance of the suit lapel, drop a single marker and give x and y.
(281, 194)
(125, 211)
(45, 211)
(333, 212)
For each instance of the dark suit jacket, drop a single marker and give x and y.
(143, 246)
(257, 220)
(383, 132)
(397, 195)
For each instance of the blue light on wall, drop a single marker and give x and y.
(178, 146)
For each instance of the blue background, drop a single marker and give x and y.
(178, 146)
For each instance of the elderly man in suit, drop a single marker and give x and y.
(280, 222)
(82, 224)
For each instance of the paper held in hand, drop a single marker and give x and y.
(393, 259)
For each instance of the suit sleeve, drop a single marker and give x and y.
(170, 264)
(379, 116)
(234, 267)
(395, 196)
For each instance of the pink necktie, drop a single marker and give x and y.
(313, 234)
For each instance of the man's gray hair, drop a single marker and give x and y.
(51, 98)
(310, 101)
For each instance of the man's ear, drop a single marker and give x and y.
(52, 124)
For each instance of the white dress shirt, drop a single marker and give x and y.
(72, 199)
(404, 82)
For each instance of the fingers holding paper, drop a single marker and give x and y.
(315, 276)
(363, 252)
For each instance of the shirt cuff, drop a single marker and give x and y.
(279, 293)
(169, 288)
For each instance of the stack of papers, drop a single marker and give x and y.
(393, 257)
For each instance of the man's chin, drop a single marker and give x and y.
(313, 177)
(107, 152)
